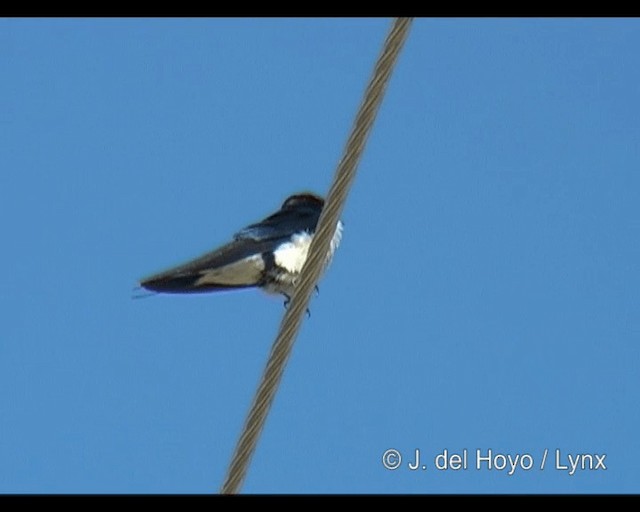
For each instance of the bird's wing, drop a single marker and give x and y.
(280, 225)
(238, 264)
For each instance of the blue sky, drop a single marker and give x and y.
(485, 295)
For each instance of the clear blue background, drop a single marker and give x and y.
(485, 296)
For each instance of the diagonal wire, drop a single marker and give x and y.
(344, 176)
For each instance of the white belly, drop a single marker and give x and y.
(290, 258)
(292, 255)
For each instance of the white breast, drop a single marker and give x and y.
(292, 255)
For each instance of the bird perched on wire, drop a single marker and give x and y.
(268, 254)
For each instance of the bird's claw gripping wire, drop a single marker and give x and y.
(288, 300)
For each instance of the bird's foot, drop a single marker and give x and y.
(287, 301)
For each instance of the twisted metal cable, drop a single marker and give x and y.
(334, 204)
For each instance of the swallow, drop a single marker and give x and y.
(268, 254)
